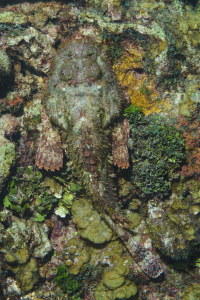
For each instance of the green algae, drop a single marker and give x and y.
(23, 188)
(68, 282)
(157, 150)
(134, 114)
(77, 255)
(64, 204)
(75, 187)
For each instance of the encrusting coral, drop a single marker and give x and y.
(89, 222)
(141, 90)
(113, 284)
(16, 241)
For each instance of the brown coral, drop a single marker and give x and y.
(120, 136)
(49, 154)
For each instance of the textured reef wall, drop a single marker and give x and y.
(99, 150)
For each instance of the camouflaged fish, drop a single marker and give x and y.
(82, 99)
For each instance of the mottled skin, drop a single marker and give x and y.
(83, 100)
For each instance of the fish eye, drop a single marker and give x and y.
(68, 53)
(89, 53)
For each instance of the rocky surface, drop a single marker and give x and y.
(85, 62)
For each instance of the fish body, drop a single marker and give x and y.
(83, 100)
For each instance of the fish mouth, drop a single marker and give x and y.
(88, 80)
(85, 89)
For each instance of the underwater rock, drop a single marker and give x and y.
(41, 241)
(13, 18)
(124, 187)
(8, 125)
(112, 8)
(33, 48)
(49, 269)
(18, 256)
(24, 85)
(5, 65)
(12, 287)
(174, 224)
(61, 234)
(166, 72)
(48, 291)
(140, 89)
(7, 151)
(28, 275)
(134, 204)
(19, 240)
(16, 238)
(16, 246)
